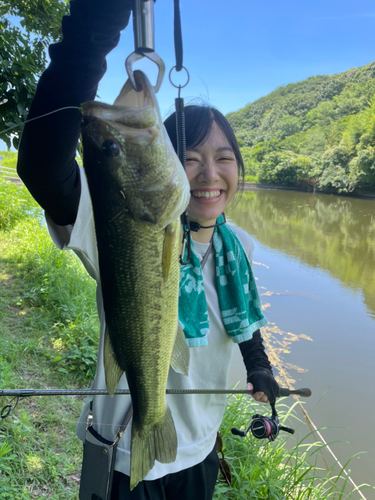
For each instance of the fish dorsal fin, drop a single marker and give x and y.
(168, 247)
(113, 372)
(181, 354)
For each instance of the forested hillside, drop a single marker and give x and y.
(319, 132)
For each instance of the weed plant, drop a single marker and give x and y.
(58, 296)
(290, 467)
(9, 159)
(16, 204)
(49, 335)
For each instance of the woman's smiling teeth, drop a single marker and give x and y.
(205, 194)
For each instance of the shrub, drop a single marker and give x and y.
(16, 204)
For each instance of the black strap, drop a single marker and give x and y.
(178, 36)
(127, 418)
(122, 426)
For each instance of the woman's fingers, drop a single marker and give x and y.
(258, 396)
(261, 397)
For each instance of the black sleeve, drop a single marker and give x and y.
(258, 366)
(46, 157)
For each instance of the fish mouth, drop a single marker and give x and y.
(145, 96)
(114, 137)
(134, 114)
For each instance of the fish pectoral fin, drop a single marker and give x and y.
(180, 354)
(113, 372)
(160, 444)
(168, 246)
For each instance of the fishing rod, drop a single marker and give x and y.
(25, 393)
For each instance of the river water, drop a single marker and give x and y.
(314, 261)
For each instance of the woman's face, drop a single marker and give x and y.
(212, 171)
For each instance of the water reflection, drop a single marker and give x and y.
(335, 234)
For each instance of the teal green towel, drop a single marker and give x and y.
(238, 295)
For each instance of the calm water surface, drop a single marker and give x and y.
(315, 264)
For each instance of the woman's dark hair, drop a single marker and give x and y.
(198, 125)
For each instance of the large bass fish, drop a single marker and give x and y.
(138, 190)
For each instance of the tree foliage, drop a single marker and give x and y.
(27, 28)
(320, 131)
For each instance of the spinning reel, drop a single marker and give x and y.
(262, 427)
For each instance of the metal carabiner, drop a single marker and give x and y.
(144, 41)
(186, 240)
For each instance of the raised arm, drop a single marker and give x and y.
(46, 158)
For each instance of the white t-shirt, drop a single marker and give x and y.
(197, 417)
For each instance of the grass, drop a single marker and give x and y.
(49, 336)
(290, 467)
(9, 159)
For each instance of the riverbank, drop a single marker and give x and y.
(358, 193)
(40, 456)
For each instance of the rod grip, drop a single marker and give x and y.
(283, 391)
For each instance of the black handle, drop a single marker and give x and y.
(287, 429)
(238, 432)
(283, 391)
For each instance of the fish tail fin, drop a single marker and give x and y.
(160, 444)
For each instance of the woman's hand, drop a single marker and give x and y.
(258, 396)
(266, 387)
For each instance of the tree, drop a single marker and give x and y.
(27, 27)
(335, 171)
(363, 167)
(287, 126)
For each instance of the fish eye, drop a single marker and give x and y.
(111, 148)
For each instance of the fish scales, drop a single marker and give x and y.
(138, 190)
(144, 305)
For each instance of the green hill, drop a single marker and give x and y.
(319, 132)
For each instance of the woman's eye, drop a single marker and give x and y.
(191, 159)
(226, 159)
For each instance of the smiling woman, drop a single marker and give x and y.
(212, 172)
(214, 164)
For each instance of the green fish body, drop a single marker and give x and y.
(138, 190)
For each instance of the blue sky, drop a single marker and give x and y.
(237, 51)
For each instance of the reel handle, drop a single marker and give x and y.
(287, 429)
(238, 432)
(283, 391)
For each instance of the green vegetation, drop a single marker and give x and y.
(23, 42)
(251, 178)
(9, 159)
(319, 132)
(292, 467)
(49, 335)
